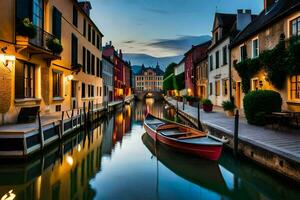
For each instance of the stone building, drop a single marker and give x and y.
(33, 73)
(149, 79)
(279, 19)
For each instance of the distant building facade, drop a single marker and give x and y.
(108, 77)
(149, 79)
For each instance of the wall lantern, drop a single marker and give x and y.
(7, 60)
(70, 77)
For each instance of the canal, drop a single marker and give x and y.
(117, 160)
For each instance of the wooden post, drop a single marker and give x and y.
(62, 125)
(183, 101)
(199, 123)
(236, 133)
(41, 131)
(80, 117)
(177, 106)
(72, 118)
(84, 113)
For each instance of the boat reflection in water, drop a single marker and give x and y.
(204, 173)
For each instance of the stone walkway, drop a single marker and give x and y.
(283, 142)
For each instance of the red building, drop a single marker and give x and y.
(192, 57)
(121, 72)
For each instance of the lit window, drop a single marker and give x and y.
(295, 27)
(295, 87)
(255, 48)
(217, 88)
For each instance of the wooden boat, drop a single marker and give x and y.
(183, 138)
(202, 172)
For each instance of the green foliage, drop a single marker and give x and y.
(179, 82)
(26, 28)
(55, 46)
(293, 54)
(228, 105)
(246, 70)
(169, 70)
(206, 102)
(259, 103)
(276, 64)
(168, 83)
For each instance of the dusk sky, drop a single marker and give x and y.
(160, 27)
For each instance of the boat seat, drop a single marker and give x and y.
(173, 133)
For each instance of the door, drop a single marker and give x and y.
(74, 95)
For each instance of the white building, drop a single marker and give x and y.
(108, 74)
(225, 28)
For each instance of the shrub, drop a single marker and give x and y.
(259, 103)
(206, 102)
(55, 46)
(228, 105)
(26, 28)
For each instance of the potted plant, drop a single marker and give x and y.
(77, 68)
(207, 105)
(55, 46)
(25, 31)
(228, 107)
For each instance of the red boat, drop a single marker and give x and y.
(183, 138)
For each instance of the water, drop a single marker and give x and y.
(117, 161)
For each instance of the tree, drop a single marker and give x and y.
(169, 70)
(168, 77)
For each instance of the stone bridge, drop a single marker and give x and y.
(141, 95)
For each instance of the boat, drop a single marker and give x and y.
(202, 172)
(183, 138)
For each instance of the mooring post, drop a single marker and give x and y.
(84, 113)
(183, 101)
(199, 123)
(41, 131)
(177, 106)
(62, 125)
(236, 133)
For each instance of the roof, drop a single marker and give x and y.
(88, 17)
(107, 59)
(207, 43)
(156, 69)
(264, 19)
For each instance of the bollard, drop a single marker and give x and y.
(199, 123)
(177, 107)
(41, 131)
(183, 101)
(236, 133)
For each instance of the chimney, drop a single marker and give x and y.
(110, 43)
(268, 4)
(120, 54)
(86, 6)
(243, 19)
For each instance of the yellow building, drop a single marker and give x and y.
(149, 79)
(278, 19)
(33, 72)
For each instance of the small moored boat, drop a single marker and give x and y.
(183, 138)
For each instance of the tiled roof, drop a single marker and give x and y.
(157, 70)
(264, 19)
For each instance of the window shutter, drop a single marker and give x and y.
(101, 68)
(84, 59)
(88, 62)
(24, 9)
(93, 64)
(74, 50)
(56, 23)
(19, 80)
(84, 27)
(75, 16)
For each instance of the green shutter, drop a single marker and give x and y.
(19, 80)
(56, 23)
(74, 50)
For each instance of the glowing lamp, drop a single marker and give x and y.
(7, 60)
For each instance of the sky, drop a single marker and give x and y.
(160, 27)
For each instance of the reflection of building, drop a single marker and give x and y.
(108, 128)
(149, 79)
(62, 173)
(32, 72)
(108, 77)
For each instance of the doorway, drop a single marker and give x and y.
(74, 95)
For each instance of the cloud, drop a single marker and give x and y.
(157, 11)
(129, 42)
(180, 44)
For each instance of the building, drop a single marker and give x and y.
(34, 72)
(121, 72)
(279, 19)
(190, 59)
(201, 72)
(225, 28)
(178, 73)
(108, 77)
(149, 79)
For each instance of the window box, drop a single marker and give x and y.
(30, 101)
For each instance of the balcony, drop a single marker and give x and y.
(37, 45)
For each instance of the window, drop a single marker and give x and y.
(255, 84)
(217, 88)
(38, 13)
(217, 36)
(84, 27)
(211, 63)
(93, 64)
(100, 91)
(98, 42)
(24, 80)
(74, 50)
(225, 62)
(255, 48)
(217, 60)
(84, 59)
(93, 37)
(57, 81)
(89, 32)
(225, 87)
(295, 87)
(243, 53)
(75, 16)
(295, 27)
(98, 68)
(90, 91)
(88, 64)
(56, 25)
(83, 90)
(210, 88)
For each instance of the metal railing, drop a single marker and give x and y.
(41, 38)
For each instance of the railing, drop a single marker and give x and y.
(41, 38)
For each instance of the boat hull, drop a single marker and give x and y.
(211, 152)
